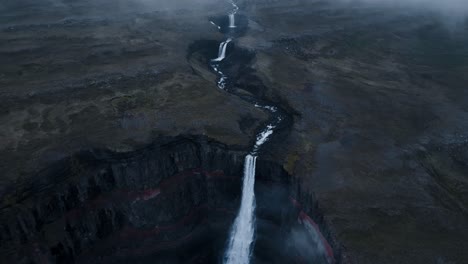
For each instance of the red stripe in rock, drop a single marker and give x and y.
(304, 217)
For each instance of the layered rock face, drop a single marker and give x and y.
(171, 202)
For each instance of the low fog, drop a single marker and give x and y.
(447, 8)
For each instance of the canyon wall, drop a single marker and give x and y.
(171, 202)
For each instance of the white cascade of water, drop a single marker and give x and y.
(242, 233)
(222, 50)
(232, 20)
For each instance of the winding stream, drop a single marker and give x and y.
(242, 235)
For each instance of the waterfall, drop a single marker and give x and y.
(241, 238)
(232, 23)
(222, 50)
(215, 63)
(242, 234)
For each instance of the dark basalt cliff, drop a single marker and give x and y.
(171, 202)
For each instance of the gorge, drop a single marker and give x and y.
(179, 195)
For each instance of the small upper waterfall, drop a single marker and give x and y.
(222, 50)
(232, 20)
(215, 62)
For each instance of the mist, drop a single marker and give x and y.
(447, 9)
